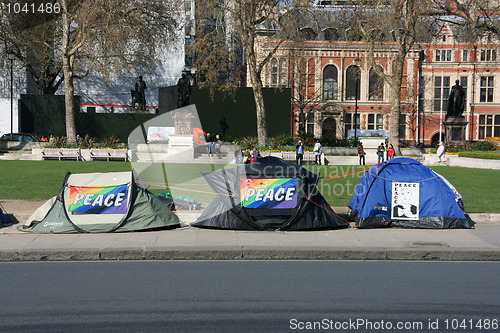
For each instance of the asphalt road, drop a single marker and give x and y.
(250, 296)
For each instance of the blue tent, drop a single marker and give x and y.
(403, 192)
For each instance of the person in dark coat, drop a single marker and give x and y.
(361, 153)
(299, 148)
(380, 153)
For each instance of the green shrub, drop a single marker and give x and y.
(479, 155)
(353, 142)
(484, 145)
(58, 142)
(249, 142)
(280, 140)
(404, 144)
(86, 142)
(309, 141)
(110, 143)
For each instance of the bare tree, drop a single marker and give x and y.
(106, 35)
(30, 34)
(382, 23)
(100, 36)
(479, 14)
(306, 96)
(227, 31)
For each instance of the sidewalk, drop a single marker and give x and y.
(190, 243)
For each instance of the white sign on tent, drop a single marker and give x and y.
(405, 201)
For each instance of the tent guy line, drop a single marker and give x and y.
(331, 212)
(178, 209)
(345, 175)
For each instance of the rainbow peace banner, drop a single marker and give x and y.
(274, 193)
(98, 199)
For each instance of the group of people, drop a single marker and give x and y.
(380, 153)
(45, 139)
(213, 145)
(390, 153)
(299, 149)
(246, 156)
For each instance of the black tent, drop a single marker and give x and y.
(269, 194)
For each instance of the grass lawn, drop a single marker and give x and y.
(41, 180)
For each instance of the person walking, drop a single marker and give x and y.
(218, 145)
(208, 142)
(390, 152)
(440, 152)
(238, 155)
(299, 148)
(380, 153)
(318, 150)
(361, 153)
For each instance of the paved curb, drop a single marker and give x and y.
(250, 253)
(485, 217)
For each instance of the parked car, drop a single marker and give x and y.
(23, 137)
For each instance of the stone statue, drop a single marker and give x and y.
(139, 95)
(456, 101)
(183, 91)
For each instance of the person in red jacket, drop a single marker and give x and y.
(390, 152)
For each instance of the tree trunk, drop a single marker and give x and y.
(258, 97)
(68, 78)
(394, 116)
(395, 111)
(69, 98)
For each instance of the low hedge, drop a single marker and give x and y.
(479, 155)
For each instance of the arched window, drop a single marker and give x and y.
(308, 33)
(330, 82)
(376, 87)
(274, 72)
(352, 83)
(330, 34)
(279, 73)
(283, 77)
(353, 34)
(307, 78)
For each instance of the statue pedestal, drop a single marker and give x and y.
(455, 128)
(180, 149)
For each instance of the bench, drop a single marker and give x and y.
(61, 153)
(292, 156)
(108, 154)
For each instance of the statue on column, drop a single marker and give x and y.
(139, 94)
(183, 91)
(456, 101)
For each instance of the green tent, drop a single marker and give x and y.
(101, 202)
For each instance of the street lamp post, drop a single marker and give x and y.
(356, 93)
(356, 109)
(11, 56)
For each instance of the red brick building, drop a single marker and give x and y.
(327, 74)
